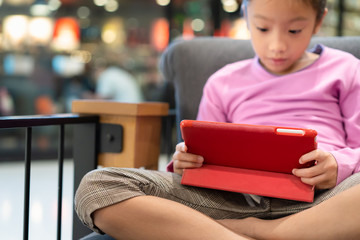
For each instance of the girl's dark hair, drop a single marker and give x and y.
(318, 5)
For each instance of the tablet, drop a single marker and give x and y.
(266, 148)
(252, 159)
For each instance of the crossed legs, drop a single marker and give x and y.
(150, 216)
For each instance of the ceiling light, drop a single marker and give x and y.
(40, 8)
(111, 6)
(230, 6)
(100, 3)
(163, 2)
(197, 25)
(54, 5)
(83, 12)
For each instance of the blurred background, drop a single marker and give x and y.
(55, 51)
(51, 50)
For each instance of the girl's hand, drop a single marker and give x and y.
(181, 159)
(323, 175)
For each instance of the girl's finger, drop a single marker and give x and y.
(184, 164)
(188, 157)
(181, 147)
(309, 172)
(315, 155)
(314, 181)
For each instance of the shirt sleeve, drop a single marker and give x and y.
(348, 158)
(170, 166)
(210, 108)
(211, 104)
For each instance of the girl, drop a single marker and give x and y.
(283, 85)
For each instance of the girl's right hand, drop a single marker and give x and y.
(181, 159)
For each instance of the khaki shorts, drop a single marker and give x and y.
(104, 187)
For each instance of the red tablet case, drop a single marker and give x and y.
(249, 159)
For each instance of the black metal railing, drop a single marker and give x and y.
(28, 122)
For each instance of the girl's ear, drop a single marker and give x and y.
(319, 23)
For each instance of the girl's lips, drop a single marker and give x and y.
(278, 61)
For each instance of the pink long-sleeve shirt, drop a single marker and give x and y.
(324, 96)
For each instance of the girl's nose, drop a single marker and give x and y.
(277, 44)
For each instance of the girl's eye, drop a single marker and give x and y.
(295, 31)
(262, 29)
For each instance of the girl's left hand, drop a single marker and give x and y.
(323, 175)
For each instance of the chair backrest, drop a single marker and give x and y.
(188, 64)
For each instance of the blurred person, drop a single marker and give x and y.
(114, 83)
(42, 76)
(6, 102)
(77, 87)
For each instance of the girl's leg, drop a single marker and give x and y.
(336, 218)
(105, 192)
(148, 217)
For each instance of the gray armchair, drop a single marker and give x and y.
(188, 65)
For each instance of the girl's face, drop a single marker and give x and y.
(281, 31)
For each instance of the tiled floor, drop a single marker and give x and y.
(43, 200)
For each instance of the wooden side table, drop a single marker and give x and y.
(141, 130)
